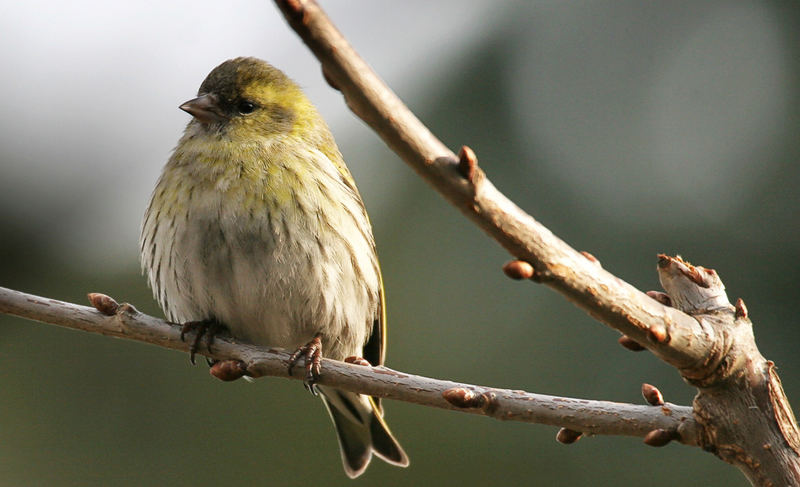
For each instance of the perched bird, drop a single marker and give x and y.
(256, 225)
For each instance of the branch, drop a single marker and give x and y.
(591, 417)
(459, 179)
(740, 413)
(745, 416)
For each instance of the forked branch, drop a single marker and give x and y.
(740, 412)
(745, 417)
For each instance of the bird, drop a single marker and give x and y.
(256, 225)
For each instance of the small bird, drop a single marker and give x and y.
(256, 225)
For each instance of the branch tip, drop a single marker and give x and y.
(330, 79)
(103, 303)
(657, 334)
(292, 6)
(518, 270)
(741, 309)
(228, 370)
(357, 361)
(467, 163)
(591, 258)
(652, 395)
(461, 397)
(699, 275)
(660, 437)
(568, 436)
(630, 344)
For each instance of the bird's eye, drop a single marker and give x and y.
(246, 107)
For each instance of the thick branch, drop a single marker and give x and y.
(744, 412)
(591, 417)
(582, 280)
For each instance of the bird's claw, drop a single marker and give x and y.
(311, 353)
(207, 328)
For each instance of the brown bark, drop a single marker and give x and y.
(593, 417)
(745, 414)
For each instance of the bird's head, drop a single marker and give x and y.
(246, 98)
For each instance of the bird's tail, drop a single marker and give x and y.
(361, 430)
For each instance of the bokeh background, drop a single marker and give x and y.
(629, 128)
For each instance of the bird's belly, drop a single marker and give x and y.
(272, 286)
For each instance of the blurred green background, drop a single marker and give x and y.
(628, 128)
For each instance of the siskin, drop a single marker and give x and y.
(256, 225)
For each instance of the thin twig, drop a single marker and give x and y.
(590, 417)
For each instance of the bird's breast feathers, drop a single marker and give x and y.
(244, 245)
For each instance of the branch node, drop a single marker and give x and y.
(692, 289)
(467, 163)
(103, 303)
(662, 298)
(294, 7)
(782, 411)
(491, 403)
(657, 334)
(660, 437)
(357, 361)
(330, 79)
(741, 309)
(127, 309)
(461, 397)
(568, 436)
(630, 343)
(228, 370)
(652, 395)
(591, 258)
(518, 270)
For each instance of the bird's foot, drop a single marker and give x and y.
(311, 353)
(358, 361)
(207, 328)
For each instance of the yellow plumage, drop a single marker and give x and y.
(256, 224)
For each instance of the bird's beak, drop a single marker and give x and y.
(205, 108)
